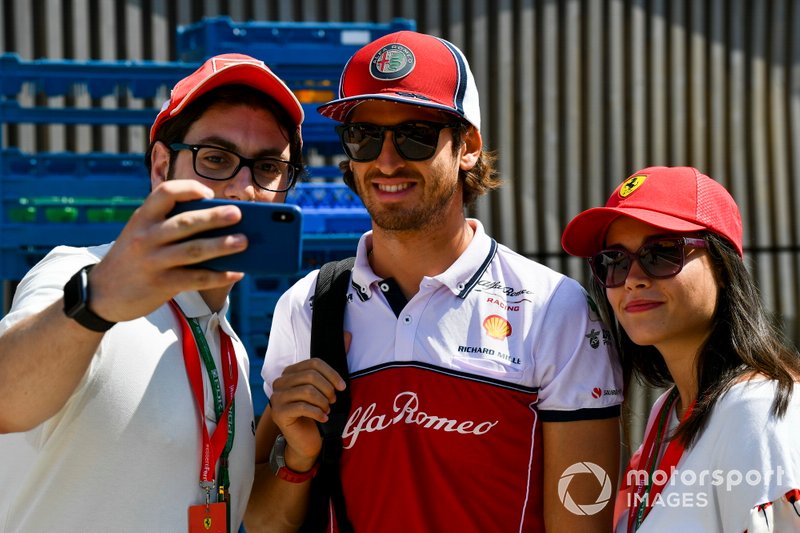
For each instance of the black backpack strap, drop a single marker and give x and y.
(327, 343)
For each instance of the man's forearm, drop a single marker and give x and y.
(42, 360)
(275, 505)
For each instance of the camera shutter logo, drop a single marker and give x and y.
(602, 479)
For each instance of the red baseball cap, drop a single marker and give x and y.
(409, 68)
(679, 199)
(228, 69)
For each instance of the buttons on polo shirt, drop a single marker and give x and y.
(384, 287)
(460, 285)
(407, 319)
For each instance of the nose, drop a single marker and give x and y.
(637, 277)
(240, 186)
(388, 161)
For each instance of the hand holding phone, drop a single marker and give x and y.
(274, 233)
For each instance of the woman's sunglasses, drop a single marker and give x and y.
(414, 141)
(659, 258)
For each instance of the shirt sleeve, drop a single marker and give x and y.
(44, 283)
(759, 458)
(577, 368)
(290, 333)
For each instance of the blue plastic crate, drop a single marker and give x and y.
(62, 77)
(297, 51)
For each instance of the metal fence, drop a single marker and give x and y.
(576, 95)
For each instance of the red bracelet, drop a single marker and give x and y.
(277, 463)
(287, 474)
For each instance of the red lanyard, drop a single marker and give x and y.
(212, 446)
(643, 495)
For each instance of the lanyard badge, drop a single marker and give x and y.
(643, 495)
(211, 517)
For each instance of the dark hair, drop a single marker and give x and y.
(476, 181)
(743, 341)
(175, 129)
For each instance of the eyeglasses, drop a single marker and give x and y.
(219, 164)
(414, 141)
(660, 258)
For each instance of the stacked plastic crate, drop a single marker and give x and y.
(48, 199)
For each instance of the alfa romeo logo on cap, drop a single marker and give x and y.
(392, 62)
(633, 183)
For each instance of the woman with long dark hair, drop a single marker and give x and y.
(722, 446)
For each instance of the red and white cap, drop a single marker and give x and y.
(409, 68)
(228, 69)
(676, 199)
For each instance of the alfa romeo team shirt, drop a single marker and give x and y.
(455, 383)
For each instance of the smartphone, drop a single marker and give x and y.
(274, 234)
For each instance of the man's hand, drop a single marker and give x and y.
(146, 266)
(301, 397)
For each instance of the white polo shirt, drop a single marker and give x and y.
(455, 381)
(123, 454)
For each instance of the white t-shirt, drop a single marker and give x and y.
(743, 458)
(455, 382)
(123, 454)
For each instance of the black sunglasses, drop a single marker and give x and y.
(660, 258)
(220, 164)
(414, 141)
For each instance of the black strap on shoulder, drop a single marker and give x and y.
(327, 343)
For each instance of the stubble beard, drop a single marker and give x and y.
(396, 218)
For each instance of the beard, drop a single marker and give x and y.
(429, 212)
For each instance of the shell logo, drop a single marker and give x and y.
(497, 327)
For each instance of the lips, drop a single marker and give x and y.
(640, 306)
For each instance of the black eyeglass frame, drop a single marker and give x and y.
(292, 169)
(380, 132)
(681, 242)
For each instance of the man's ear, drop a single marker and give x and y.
(159, 164)
(471, 149)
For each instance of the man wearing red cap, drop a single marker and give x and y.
(126, 403)
(483, 397)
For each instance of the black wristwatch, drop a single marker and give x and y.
(76, 302)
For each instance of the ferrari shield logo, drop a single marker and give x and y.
(633, 183)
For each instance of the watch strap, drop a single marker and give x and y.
(287, 474)
(76, 302)
(277, 461)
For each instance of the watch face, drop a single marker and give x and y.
(277, 462)
(75, 293)
(277, 459)
(76, 302)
